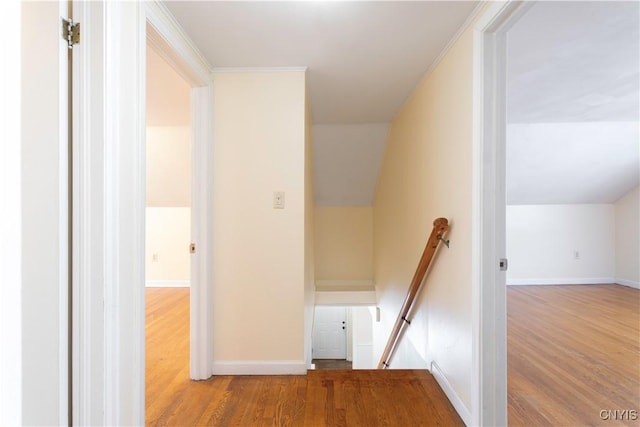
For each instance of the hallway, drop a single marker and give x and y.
(322, 398)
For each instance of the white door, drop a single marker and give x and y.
(330, 333)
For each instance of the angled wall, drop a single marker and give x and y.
(627, 232)
(426, 174)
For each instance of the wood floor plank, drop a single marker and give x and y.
(573, 351)
(321, 398)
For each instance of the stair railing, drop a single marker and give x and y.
(440, 227)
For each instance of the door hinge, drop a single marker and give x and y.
(192, 248)
(504, 264)
(70, 32)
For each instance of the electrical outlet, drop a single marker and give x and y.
(278, 200)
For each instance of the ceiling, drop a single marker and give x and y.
(573, 85)
(573, 100)
(364, 58)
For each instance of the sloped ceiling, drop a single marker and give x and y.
(573, 85)
(573, 103)
(364, 58)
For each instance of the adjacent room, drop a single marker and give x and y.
(572, 215)
(168, 227)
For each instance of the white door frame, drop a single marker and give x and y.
(489, 348)
(169, 40)
(108, 330)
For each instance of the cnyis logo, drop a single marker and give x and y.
(619, 414)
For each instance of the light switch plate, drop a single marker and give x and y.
(278, 200)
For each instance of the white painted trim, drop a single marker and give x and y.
(64, 229)
(223, 70)
(88, 201)
(453, 397)
(167, 284)
(172, 34)
(626, 282)
(108, 219)
(124, 213)
(11, 218)
(259, 367)
(563, 281)
(201, 298)
(345, 284)
(489, 375)
(172, 43)
(366, 298)
(456, 36)
(349, 314)
(109, 194)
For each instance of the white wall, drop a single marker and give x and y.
(627, 217)
(542, 241)
(44, 215)
(362, 333)
(344, 243)
(168, 235)
(259, 251)
(426, 174)
(10, 220)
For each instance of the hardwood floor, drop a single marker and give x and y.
(573, 351)
(322, 398)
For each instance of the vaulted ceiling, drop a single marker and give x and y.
(364, 58)
(573, 103)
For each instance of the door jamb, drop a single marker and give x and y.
(108, 206)
(489, 346)
(170, 41)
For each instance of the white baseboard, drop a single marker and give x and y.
(453, 397)
(259, 367)
(626, 282)
(167, 284)
(563, 281)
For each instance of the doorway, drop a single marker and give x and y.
(489, 201)
(167, 227)
(109, 224)
(330, 335)
(571, 156)
(168, 42)
(342, 337)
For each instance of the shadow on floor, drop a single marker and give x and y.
(332, 364)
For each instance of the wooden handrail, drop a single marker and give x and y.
(440, 227)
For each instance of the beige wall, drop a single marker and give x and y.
(167, 258)
(259, 251)
(168, 166)
(425, 174)
(344, 243)
(627, 218)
